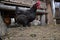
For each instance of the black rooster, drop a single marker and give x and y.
(27, 16)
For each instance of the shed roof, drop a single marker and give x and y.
(27, 3)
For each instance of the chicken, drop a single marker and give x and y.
(21, 19)
(0, 39)
(25, 17)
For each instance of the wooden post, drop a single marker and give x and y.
(3, 27)
(59, 7)
(43, 20)
(49, 16)
(53, 10)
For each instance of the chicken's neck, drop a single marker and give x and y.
(33, 8)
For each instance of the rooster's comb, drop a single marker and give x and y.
(38, 2)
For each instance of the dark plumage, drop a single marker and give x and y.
(22, 19)
(27, 16)
(0, 39)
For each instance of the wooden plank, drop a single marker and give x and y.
(13, 8)
(57, 18)
(42, 11)
(23, 1)
(43, 20)
(42, 5)
(15, 4)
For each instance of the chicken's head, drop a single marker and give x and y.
(38, 4)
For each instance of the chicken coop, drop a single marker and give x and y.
(8, 10)
(46, 14)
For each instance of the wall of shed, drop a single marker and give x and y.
(49, 16)
(57, 15)
(29, 3)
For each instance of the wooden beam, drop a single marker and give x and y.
(57, 18)
(42, 5)
(15, 4)
(13, 8)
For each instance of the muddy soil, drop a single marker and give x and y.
(48, 32)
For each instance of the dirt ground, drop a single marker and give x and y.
(48, 32)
